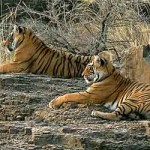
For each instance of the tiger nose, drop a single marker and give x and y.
(85, 72)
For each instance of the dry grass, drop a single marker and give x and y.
(81, 28)
(130, 36)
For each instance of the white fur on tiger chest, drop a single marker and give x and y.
(111, 106)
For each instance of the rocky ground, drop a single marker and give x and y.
(26, 123)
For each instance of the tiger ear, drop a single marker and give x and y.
(18, 29)
(103, 61)
(100, 60)
(97, 58)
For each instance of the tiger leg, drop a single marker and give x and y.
(123, 109)
(147, 114)
(11, 67)
(81, 97)
(146, 110)
(109, 116)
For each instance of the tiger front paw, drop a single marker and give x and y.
(53, 104)
(95, 113)
(56, 103)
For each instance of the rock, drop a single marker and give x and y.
(28, 131)
(68, 130)
(27, 123)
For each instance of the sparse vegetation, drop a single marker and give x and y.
(81, 26)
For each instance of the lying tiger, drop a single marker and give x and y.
(121, 95)
(33, 56)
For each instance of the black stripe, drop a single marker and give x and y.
(69, 64)
(121, 110)
(130, 105)
(31, 58)
(50, 60)
(47, 64)
(41, 61)
(43, 52)
(147, 106)
(59, 65)
(54, 68)
(63, 70)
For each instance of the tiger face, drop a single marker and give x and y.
(97, 70)
(15, 38)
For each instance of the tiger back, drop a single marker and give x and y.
(125, 98)
(33, 56)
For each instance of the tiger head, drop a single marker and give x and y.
(98, 70)
(15, 38)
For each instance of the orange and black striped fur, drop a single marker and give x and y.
(33, 56)
(125, 98)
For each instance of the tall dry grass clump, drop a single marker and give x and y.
(83, 26)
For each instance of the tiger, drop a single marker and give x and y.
(125, 98)
(31, 55)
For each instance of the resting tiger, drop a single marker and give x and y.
(33, 56)
(124, 97)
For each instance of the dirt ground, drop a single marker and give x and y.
(26, 122)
